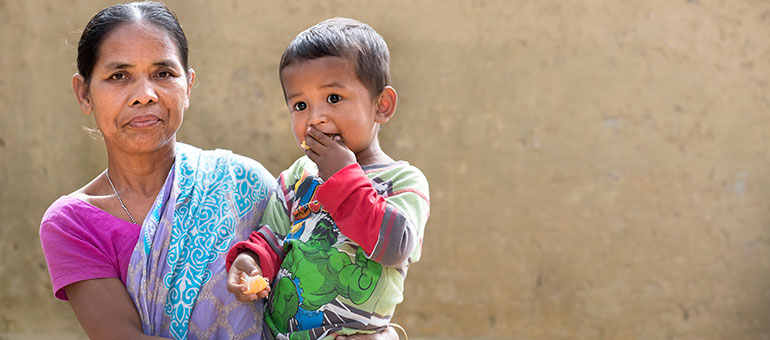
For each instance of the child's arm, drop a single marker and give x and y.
(262, 253)
(389, 230)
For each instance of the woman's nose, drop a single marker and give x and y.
(144, 93)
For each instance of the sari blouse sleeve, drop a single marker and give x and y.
(78, 247)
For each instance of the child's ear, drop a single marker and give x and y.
(81, 92)
(386, 105)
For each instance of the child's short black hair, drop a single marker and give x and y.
(344, 38)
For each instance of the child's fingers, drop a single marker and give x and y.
(245, 298)
(262, 294)
(316, 136)
(234, 281)
(237, 290)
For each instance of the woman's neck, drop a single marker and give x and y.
(141, 173)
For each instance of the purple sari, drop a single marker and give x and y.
(176, 276)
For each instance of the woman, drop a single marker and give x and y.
(139, 251)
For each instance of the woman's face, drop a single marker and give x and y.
(138, 89)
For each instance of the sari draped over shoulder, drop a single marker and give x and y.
(176, 276)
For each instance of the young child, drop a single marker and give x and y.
(336, 243)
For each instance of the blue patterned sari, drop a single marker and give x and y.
(177, 276)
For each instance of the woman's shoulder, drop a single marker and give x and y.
(64, 206)
(217, 157)
(73, 213)
(63, 214)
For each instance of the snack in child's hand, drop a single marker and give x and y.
(254, 283)
(304, 145)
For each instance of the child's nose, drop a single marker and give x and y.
(317, 116)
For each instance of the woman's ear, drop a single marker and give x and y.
(81, 93)
(386, 105)
(190, 83)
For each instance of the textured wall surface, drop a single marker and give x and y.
(598, 169)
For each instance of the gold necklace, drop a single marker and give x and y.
(107, 171)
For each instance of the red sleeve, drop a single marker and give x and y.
(269, 261)
(355, 206)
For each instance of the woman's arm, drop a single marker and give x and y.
(105, 309)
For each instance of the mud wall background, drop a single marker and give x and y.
(598, 169)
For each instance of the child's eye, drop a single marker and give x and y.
(299, 106)
(333, 98)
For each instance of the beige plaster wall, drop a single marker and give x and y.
(598, 169)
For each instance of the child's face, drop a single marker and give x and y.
(327, 94)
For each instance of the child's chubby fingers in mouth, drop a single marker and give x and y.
(319, 142)
(316, 136)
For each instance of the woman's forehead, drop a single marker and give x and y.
(138, 43)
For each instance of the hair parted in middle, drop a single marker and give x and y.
(344, 38)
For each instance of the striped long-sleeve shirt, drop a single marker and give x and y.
(337, 252)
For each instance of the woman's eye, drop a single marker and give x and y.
(164, 74)
(118, 76)
(300, 106)
(333, 98)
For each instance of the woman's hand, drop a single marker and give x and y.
(105, 309)
(330, 154)
(386, 334)
(245, 264)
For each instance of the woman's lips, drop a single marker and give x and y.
(143, 121)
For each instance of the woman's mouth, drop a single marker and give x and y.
(143, 121)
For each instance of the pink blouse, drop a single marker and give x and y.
(83, 242)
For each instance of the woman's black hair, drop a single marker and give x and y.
(111, 17)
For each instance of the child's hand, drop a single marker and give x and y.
(329, 154)
(245, 264)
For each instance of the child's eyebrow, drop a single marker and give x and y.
(333, 84)
(290, 96)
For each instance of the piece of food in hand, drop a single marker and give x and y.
(304, 145)
(254, 283)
